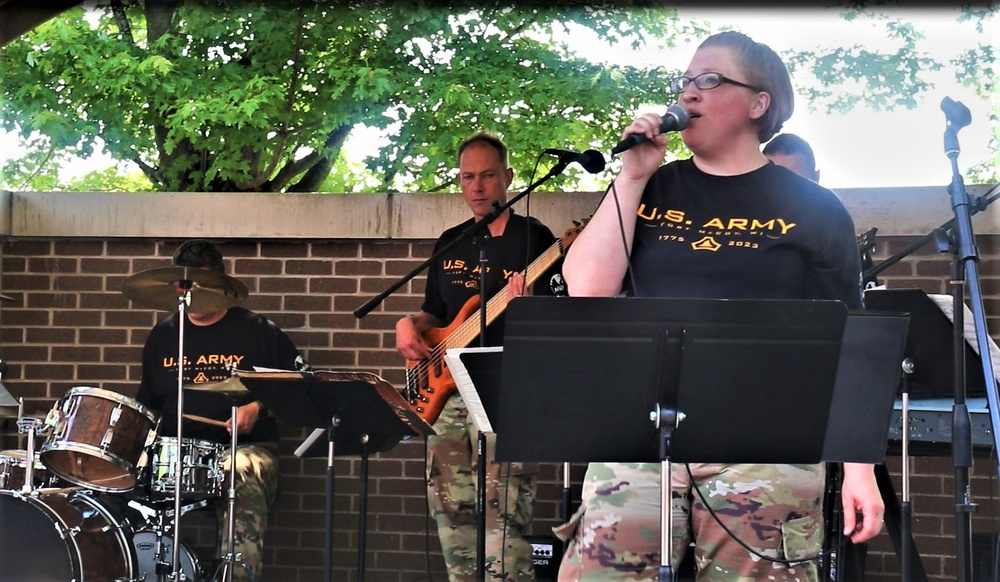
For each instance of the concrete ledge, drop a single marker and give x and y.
(895, 211)
(184, 214)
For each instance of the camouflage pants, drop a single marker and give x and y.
(452, 487)
(256, 489)
(775, 509)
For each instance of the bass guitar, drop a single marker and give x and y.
(429, 383)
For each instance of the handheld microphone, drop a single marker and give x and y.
(591, 160)
(675, 119)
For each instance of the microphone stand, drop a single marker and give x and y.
(979, 204)
(478, 226)
(965, 272)
(480, 436)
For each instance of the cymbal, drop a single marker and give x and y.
(6, 398)
(230, 386)
(162, 288)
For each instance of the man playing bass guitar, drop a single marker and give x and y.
(451, 297)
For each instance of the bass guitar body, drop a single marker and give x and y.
(429, 383)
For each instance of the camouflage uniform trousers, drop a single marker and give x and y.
(452, 482)
(775, 509)
(256, 489)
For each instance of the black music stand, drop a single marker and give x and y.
(573, 364)
(362, 412)
(867, 379)
(930, 341)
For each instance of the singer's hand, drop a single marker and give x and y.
(642, 160)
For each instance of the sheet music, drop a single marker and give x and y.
(946, 303)
(463, 381)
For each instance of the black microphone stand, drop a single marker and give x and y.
(965, 273)
(978, 204)
(479, 226)
(481, 436)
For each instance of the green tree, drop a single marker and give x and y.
(262, 96)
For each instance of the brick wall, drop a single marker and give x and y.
(71, 326)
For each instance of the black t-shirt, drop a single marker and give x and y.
(767, 234)
(241, 338)
(454, 279)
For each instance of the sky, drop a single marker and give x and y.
(862, 148)
(865, 148)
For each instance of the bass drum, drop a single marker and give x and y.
(63, 537)
(145, 550)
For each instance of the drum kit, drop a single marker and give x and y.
(95, 501)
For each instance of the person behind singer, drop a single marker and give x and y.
(513, 241)
(683, 223)
(792, 152)
(213, 342)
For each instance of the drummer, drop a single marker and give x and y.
(214, 343)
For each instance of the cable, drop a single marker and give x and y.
(817, 557)
(621, 229)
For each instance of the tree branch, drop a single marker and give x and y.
(119, 12)
(320, 170)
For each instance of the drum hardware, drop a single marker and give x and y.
(210, 291)
(65, 536)
(153, 545)
(13, 473)
(202, 475)
(231, 387)
(230, 558)
(29, 426)
(98, 439)
(183, 289)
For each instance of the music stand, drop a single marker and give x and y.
(930, 336)
(763, 369)
(362, 413)
(867, 381)
(865, 387)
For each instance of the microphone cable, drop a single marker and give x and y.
(839, 547)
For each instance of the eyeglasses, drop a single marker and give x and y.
(706, 81)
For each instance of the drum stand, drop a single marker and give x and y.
(231, 557)
(29, 426)
(157, 519)
(183, 301)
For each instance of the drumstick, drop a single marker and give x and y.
(212, 421)
(58, 490)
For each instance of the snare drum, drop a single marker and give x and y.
(98, 437)
(14, 467)
(202, 475)
(63, 537)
